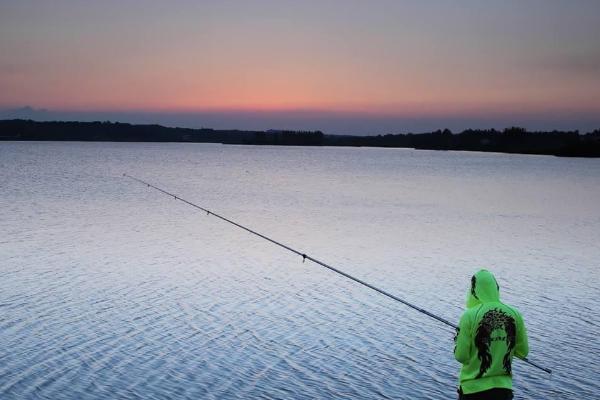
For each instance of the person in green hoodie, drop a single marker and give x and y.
(489, 334)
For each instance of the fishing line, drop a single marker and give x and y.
(321, 263)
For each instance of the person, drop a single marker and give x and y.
(488, 335)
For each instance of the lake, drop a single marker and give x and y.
(109, 289)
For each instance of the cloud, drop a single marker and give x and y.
(26, 112)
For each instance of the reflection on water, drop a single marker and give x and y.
(110, 290)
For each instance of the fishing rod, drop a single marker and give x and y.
(321, 263)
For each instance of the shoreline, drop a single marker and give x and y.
(509, 141)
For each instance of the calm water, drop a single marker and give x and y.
(111, 290)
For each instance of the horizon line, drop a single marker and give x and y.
(283, 130)
(331, 122)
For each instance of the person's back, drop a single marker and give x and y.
(489, 334)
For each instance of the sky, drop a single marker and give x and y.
(341, 66)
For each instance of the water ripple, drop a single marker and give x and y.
(110, 291)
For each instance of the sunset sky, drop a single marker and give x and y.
(342, 66)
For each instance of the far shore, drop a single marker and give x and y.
(511, 140)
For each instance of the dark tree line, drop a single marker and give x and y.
(122, 132)
(510, 140)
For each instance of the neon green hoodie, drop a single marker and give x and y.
(488, 335)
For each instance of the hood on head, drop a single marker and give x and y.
(484, 289)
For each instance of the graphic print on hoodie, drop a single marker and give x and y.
(490, 333)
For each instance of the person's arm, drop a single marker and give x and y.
(522, 345)
(462, 340)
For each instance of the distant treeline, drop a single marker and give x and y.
(510, 140)
(18, 129)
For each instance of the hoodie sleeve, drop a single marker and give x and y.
(522, 345)
(462, 340)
